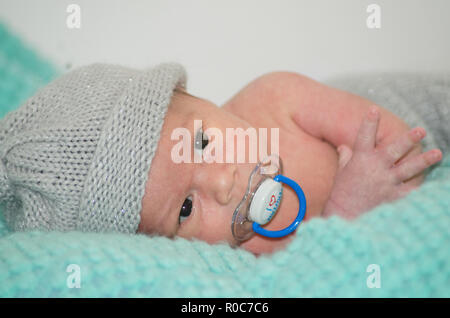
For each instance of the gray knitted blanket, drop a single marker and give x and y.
(419, 99)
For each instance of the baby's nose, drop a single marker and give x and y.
(224, 180)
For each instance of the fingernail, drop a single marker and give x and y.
(435, 155)
(373, 112)
(418, 133)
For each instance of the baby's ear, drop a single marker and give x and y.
(345, 154)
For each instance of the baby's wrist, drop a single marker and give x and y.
(341, 203)
(332, 208)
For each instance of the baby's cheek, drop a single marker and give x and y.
(212, 235)
(211, 227)
(216, 227)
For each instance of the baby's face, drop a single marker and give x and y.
(215, 189)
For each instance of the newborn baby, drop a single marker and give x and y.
(379, 159)
(92, 151)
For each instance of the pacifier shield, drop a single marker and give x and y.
(262, 175)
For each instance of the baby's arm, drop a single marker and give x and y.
(367, 174)
(331, 114)
(386, 161)
(335, 116)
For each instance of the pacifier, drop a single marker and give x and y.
(262, 199)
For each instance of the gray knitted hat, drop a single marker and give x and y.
(76, 155)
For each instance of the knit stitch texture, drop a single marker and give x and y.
(76, 155)
(419, 99)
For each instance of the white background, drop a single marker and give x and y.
(226, 44)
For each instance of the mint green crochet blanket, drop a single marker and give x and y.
(399, 249)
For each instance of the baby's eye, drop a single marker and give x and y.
(201, 141)
(186, 209)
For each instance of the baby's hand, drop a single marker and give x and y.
(369, 175)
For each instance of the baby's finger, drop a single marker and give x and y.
(416, 165)
(403, 190)
(406, 187)
(345, 154)
(396, 150)
(365, 140)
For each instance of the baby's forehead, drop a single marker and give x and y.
(183, 110)
(182, 91)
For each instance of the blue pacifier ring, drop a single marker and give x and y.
(300, 215)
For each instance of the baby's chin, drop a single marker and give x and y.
(264, 245)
